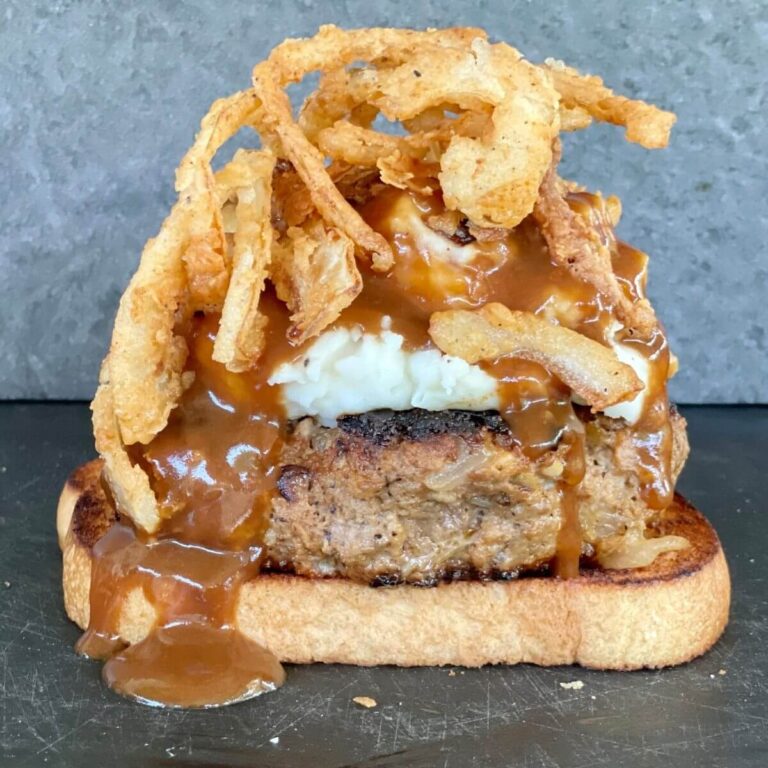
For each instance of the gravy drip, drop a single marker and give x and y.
(537, 408)
(651, 436)
(214, 469)
(513, 268)
(194, 656)
(214, 466)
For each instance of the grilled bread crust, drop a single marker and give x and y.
(663, 614)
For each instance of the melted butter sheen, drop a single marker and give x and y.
(214, 467)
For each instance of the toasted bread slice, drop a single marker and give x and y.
(663, 614)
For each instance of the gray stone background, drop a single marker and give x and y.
(98, 101)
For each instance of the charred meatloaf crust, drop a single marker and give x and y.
(416, 497)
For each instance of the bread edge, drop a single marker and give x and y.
(654, 617)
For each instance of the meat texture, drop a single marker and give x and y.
(418, 497)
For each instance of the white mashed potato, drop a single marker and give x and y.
(347, 371)
(632, 409)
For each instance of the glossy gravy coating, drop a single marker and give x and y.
(214, 472)
(214, 467)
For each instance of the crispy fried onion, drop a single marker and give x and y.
(146, 357)
(492, 178)
(578, 246)
(141, 378)
(490, 159)
(645, 124)
(331, 101)
(591, 370)
(408, 162)
(330, 49)
(291, 203)
(128, 482)
(241, 331)
(315, 274)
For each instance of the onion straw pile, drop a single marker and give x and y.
(481, 125)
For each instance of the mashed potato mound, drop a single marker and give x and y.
(347, 371)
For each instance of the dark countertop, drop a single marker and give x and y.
(711, 712)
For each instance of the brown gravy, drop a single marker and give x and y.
(194, 656)
(214, 467)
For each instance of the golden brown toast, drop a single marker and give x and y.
(666, 613)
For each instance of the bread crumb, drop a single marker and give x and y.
(574, 685)
(721, 672)
(365, 701)
(274, 740)
(7, 584)
(451, 673)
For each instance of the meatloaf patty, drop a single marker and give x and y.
(416, 497)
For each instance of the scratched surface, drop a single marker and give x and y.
(55, 710)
